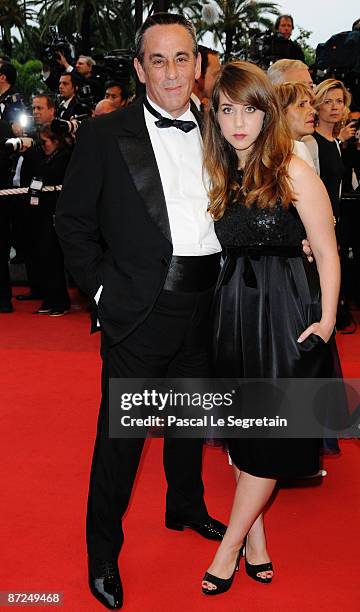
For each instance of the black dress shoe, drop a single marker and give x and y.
(25, 297)
(105, 583)
(209, 528)
(58, 312)
(6, 307)
(45, 308)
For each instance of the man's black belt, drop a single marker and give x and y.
(192, 273)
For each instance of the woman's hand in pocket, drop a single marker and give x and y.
(319, 329)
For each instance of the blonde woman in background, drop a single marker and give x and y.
(332, 102)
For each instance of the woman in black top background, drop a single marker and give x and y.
(332, 101)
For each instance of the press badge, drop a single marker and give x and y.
(35, 189)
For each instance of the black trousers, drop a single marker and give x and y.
(5, 244)
(171, 342)
(44, 258)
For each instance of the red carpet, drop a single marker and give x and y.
(49, 401)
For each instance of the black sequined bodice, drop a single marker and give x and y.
(242, 226)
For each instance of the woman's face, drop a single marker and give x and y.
(332, 107)
(48, 145)
(240, 124)
(300, 117)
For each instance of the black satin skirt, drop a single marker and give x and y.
(264, 299)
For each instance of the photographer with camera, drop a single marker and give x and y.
(269, 47)
(5, 223)
(283, 47)
(88, 81)
(45, 164)
(43, 109)
(11, 106)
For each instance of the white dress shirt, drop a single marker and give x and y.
(179, 160)
(64, 105)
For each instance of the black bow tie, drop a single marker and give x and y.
(164, 122)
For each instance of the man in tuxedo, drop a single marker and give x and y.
(69, 100)
(135, 179)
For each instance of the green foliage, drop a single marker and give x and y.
(238, 19)
(309, 51)
(103, 24)
(11, 14)
(29, 78)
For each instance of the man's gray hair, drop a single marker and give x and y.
(277, 69)
(163, 19)
(89, 60)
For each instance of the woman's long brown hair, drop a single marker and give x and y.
(265, 180)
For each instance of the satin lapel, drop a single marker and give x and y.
(199, 116)
(138, 154)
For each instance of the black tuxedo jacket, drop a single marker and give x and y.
(113, 190)
(68, 112)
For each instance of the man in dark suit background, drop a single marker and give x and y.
(69, 100)
(135, 179)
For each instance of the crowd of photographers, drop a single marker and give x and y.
(34, 153)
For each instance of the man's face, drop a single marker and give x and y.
(285, 27)
(212, 71)
(4, 85)
(299, 74)
(82, 67)
(169, 67)
(114, 94)
(41, 112)
(66, 88)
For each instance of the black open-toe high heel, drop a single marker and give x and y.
(222, 584)
(254, 570)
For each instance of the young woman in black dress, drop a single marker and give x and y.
(274, 312)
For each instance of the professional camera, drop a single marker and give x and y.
(339, 58)
(12, 106)
(86, 99)
(15, 145)
(266, 48)
(55, 45)
(61, 126)
(115, 65)
(26, 121)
